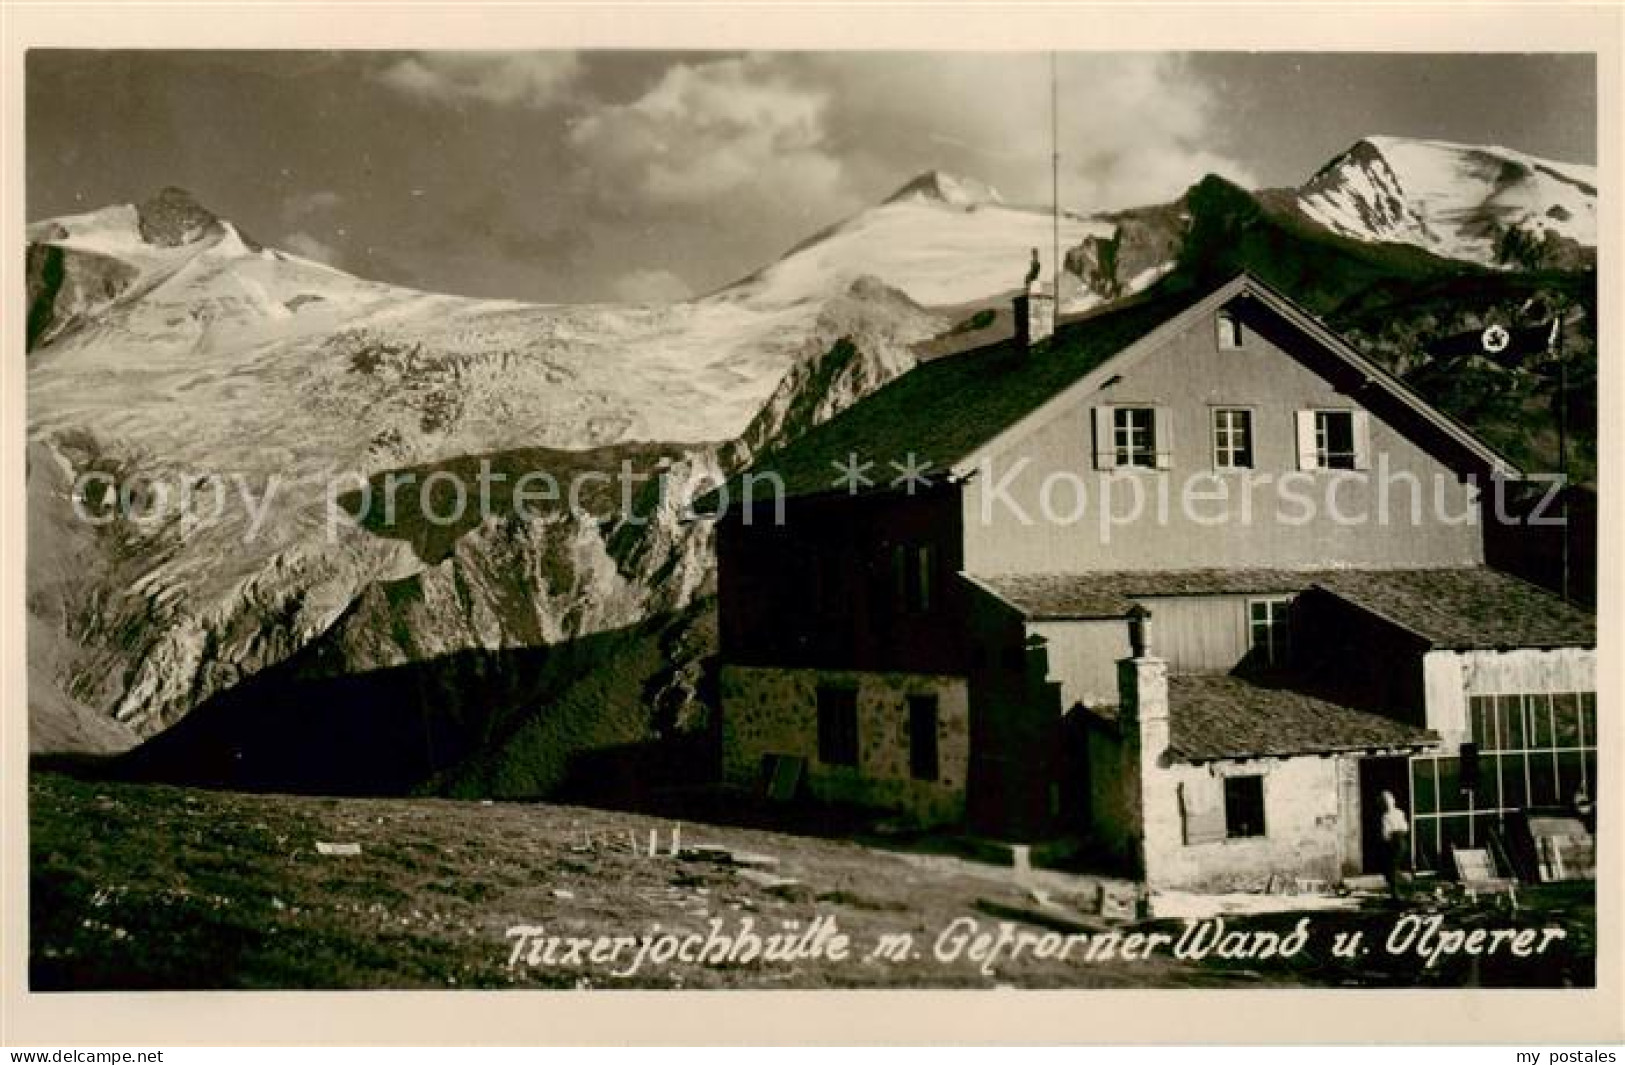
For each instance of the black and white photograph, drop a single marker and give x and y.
(584, 519)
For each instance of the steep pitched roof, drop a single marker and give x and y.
(944, 410)
(945, 413)
(1215, 716)
(1463, 609)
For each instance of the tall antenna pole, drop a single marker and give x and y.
(1055, 178)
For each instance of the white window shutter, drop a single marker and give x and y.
(1162, 436)
(1306, 440)
(1105, 445)
(1201, 808)
(1362, 440)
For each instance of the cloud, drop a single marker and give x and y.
(739, 129)
(793, 141)
(526, 79)
(302, 243)
(305, 204)
(1134, 129)
(650, 286)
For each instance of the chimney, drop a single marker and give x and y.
(1143, 716)
(1035, 317)
(1142, 687)
(1139, 631)
(1034, 309)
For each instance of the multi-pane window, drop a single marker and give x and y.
(1134, 436)
(1334, 440)
(1270, 632)
(1529, 751)
(922, 737)
(1233, 439)
(1243, 806)
(838, 726)
(913, 570)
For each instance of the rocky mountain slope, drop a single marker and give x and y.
(274, 395)
(236, 391)
(1492, 206)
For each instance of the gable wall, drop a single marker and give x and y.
(1190, 376)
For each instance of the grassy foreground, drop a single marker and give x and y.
(148, 887)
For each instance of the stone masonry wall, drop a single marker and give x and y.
(1304, 815)
(1303, 826)
(775, 711)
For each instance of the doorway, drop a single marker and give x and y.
(1378, 775)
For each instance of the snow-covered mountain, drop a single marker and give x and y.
(941, 239)
(1488, 205)
(166, 346)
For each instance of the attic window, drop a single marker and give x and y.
(1229, 327)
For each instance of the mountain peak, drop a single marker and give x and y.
(947, 188)
(173, 217)
(1481, 203)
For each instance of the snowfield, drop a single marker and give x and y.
(1454, 200)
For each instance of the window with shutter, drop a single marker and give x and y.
(1304, 422)
(1134, 437)
(1362, 440)
(1162, 436)
(1105, 452)
(1202, 812)
(1334, 440)
(1233, 439)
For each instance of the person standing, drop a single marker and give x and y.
(1396, 841)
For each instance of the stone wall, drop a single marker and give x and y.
(1307, 809)
(1303, 825)
(775, 711)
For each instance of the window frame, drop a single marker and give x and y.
(1244, 450)
(1277, 654)
(920, 767)
(1125, 455)
(1236, 827)
(1325, 457)
(836, 709)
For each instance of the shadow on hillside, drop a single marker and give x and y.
(475, 724)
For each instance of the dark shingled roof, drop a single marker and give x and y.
(944, 410)
(1078, 596)
(1466, 608)
(1214, 716)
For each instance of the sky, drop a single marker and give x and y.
(604, 175)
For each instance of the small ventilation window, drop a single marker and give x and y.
(1230, 338)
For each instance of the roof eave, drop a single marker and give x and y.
(1307, 752)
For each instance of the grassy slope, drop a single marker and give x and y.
(193, 889)
(479, 723)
